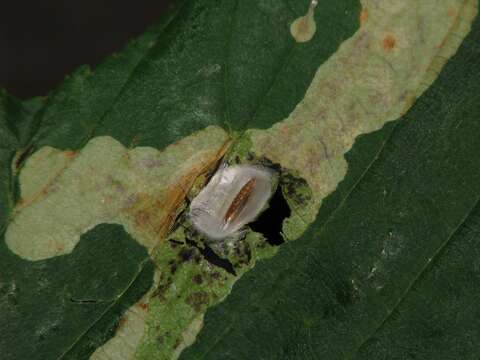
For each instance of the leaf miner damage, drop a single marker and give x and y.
(64, 194)
(372, 79)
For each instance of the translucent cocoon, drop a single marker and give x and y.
(209, 209)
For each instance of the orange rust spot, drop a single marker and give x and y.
(144, 307)
(389, 43)
(452, 12)
(70, 154)
(363, 17)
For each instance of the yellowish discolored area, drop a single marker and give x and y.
(46, 164)
(65, 194)
(373, 78)
(303, 29)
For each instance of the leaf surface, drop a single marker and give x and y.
(386, 269)
(391, 271)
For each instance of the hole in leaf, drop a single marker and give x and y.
(213, 258)
(269, 223)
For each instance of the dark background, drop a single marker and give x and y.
(42, 41)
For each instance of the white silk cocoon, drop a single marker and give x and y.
(209, 207)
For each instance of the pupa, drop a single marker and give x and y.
(233, 197)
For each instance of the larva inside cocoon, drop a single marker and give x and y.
(234, 196)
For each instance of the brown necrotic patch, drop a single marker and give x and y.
(389, 42)
(154, 214)
(197, 279)
(198, 300)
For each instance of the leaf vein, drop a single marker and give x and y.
(415, 280)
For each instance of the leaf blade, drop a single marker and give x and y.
(328, 258)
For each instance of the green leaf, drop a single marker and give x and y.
(97, 260)
(78, 299)
(197, 67)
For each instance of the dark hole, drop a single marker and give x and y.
(269, 223)
(174, 243)
(213, 258)
(186, 254)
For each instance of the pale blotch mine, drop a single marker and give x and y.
(373, 78)
(65, 194)
(303, 29)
